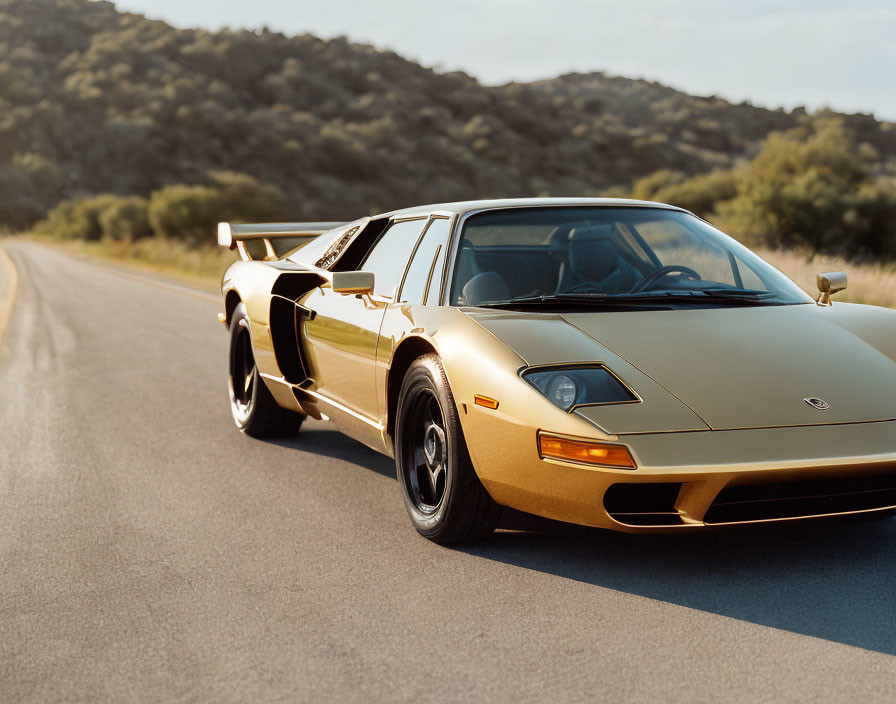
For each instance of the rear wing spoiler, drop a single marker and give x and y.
(270, 241)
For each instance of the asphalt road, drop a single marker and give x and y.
(150, 552)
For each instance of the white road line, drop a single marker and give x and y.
(6, 304)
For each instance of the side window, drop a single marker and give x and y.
(389, 255)
(413, 290)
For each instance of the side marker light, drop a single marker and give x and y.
(485, 402)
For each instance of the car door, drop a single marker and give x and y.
(342, 335)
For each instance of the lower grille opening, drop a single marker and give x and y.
(647, 504)
(807, 497)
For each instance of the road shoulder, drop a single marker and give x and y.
(9, 281)
(204, 289)
(147, 268)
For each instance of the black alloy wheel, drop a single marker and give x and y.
(427, 451)
(242, 369)
(444, 498)
(254, 409)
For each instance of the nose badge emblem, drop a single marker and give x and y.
(817, 403)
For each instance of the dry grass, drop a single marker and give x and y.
(870, 283)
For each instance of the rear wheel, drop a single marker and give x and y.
(443, 496)
(254, 409)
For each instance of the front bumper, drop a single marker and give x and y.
(785, 474)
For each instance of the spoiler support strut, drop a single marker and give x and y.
(232, 236)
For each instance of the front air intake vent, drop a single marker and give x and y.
(807, 497)
(643, 504)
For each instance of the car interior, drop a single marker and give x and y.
(575, 257)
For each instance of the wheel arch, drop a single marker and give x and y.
(408, 350)
(231, 301)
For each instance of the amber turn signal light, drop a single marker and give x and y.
(600, 453)
(485, 401)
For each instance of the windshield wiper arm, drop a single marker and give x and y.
(588, 299)
(704, 296)
(548, 299)
(743, 297)
(739, 293)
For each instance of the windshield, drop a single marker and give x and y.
(616, 253)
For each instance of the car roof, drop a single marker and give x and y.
(467, 206)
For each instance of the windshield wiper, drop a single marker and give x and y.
(735, 296)
(550, 299)
(739, 293)
(694, 296)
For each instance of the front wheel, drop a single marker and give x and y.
(254, 409)
(443, 496)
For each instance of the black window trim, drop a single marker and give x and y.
(400, 290)
(392, 222)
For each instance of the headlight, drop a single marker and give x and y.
(566, 387)
(561, 390)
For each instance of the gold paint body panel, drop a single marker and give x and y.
(341, 350)
(739, 367)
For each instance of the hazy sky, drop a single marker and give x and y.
(772, 52)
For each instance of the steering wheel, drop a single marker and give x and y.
(644, 284)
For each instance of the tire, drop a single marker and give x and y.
(443, 496)
(254, 409)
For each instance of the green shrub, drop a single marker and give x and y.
(872, 218)
(799, 191)
(185, 212)
(192, 212)
(77, 219)
(646, 188)
(808, 188)
(699, 194)
(126, 219)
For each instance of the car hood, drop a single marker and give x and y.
(744, 367)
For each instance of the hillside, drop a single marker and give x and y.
(710, 125)
(93, 100)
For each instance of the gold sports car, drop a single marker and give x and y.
(611, 363)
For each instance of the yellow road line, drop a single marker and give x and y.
(6, 304)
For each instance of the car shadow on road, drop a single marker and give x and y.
(333, 444)
(832, 579)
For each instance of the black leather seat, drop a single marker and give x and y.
(467, 266)
(472, 284)
(594, 259)
(487, 286)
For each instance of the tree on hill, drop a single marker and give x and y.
(808, 187)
